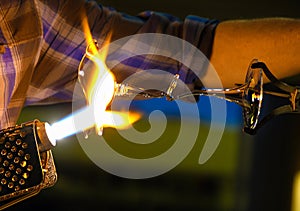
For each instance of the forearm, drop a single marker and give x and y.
(195, 30)
(275, 41)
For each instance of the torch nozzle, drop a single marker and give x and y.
(46, 141)
(27, 161)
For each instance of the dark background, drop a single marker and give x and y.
(245, 173)
(222, 10)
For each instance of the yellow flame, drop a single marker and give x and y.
(98, 57)
(101, 87)
(120, 120)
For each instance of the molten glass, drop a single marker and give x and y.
(98, 85)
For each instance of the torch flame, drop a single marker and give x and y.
(99, 90)
(101, 87)
(120, 120)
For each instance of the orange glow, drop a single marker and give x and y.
(120, 120)
(101, 70)
(101, 86)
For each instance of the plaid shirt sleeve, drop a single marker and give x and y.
(43, 43)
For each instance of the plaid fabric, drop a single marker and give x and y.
(42, 43)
